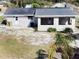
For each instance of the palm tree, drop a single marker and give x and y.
(62, 41)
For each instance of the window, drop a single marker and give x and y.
(64, 21)
(47, 21)
(16, 18)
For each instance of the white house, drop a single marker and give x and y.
(19, 17)
(60, 5)
(59, 18)
(44, 18)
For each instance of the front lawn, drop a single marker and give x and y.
(11, 48)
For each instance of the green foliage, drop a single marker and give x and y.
(51, 30)
(59, 39)
(62, 41)
(35, 5)
(22, 3)
(11, 5)
(68, 30)
(1, 18)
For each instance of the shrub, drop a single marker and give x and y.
(35, 5)
(1, 18)
(68, 30)
(51, 30)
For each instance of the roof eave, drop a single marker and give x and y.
(56, 15)
(18, 15)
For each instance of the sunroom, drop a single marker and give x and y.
(60, 23)
(59, 18)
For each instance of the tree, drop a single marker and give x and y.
(18, 3)
(35, 5)
(62, 41)
(11, 5)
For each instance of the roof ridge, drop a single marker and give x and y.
(54, 8)
(43, 8)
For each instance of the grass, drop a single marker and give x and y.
(11, 47)
(15, 48)
(1, 18)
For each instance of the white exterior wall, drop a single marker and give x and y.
(45, 27)
(72, 26)
(73, 23)
(56, 25)
(21, 22)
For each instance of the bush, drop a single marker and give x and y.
(35, 5)
(68, 30)
(51, 30)
(1, 18)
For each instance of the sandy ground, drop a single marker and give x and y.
(33, 41)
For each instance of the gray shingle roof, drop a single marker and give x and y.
(54, 12)
(41, 12)
(20, 11)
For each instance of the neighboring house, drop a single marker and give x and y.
(28, 6)
(59, 5)
(59, 18)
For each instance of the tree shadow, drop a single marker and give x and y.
(41, 54)
(4, 22)
(76, 53)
